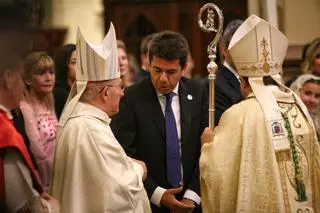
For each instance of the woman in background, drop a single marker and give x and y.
(311, 62)
(128, 65)
(307, 86)
(37, 108)
(65, 62)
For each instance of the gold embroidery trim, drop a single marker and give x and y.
(266, 66)
(281, 158)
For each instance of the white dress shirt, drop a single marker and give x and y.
(175, 104)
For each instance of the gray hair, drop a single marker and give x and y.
(229, 31)
(92, 90)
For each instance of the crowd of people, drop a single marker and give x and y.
(88, 130)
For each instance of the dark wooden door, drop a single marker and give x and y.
(133, 19)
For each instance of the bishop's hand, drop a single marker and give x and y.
(144, 167)
(207, 136)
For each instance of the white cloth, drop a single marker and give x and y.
(296, 87)
(91, 171)
(175, 104)
(301, 80)
(94, 63)
(252, 177)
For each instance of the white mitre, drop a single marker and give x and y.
(95, 62)
(257, 50)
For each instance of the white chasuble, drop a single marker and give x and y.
(241, 172)
(92, 173)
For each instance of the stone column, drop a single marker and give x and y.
(254, 7)
(87, 14)
(270, 12)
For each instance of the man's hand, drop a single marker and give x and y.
(168, 200)
(188, 202)
(145, 171)
(207, 136)
(48, 203)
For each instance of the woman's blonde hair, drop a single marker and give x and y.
(33, 62)
(310, 55)
(122, 45)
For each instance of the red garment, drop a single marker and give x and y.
(10, 138)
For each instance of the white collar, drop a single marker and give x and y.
(8, 113)
(85, 109)
(231, 70)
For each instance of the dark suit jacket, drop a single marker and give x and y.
(140, 128)
(60, 94)
(141, 75)
(227, 91)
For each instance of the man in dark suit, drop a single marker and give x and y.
(227, 83)
(160, 122)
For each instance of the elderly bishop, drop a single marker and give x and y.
(91, 171)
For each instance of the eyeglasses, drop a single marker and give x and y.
(108, 86)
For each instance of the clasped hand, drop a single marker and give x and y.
(169, 200)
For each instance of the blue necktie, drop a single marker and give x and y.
(172, 145)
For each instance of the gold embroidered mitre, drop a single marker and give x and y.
(257, 48)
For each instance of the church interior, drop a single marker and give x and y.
(55, 22)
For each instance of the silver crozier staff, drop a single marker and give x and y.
(210, 27)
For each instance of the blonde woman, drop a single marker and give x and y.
(307, 86)
(127, 63)
(37, 108)
(311, 62)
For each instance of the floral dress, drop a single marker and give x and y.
(41, 126)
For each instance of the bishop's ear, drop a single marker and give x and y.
(104, 94)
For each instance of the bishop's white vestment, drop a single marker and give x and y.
(92, 173)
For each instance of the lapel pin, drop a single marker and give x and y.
(189, 97)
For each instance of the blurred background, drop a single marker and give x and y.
(52, 23)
